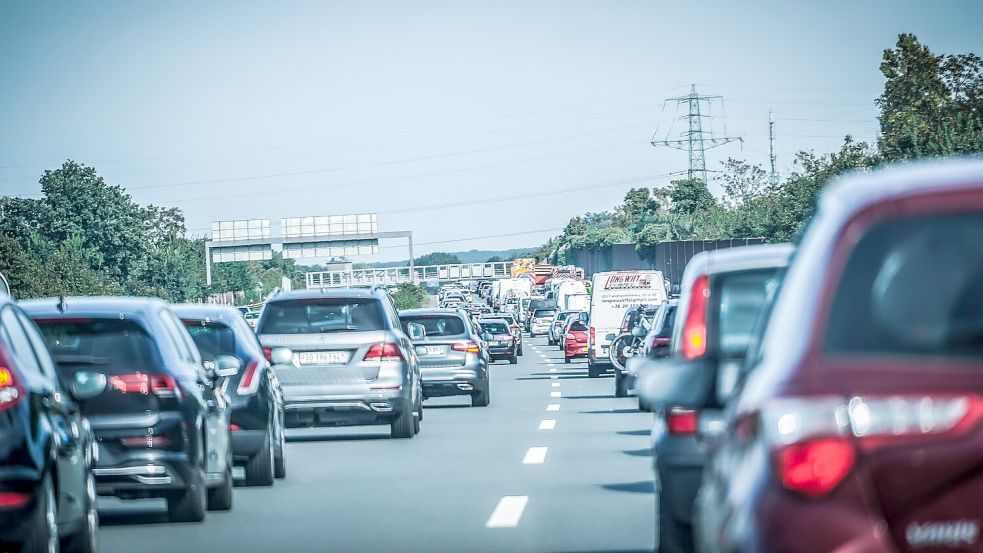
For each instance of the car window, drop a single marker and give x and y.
(578, 326)
(544, 313)
(186, 348)
(246, 338)
(436, 325)
(40, 347)
(912, 287)
(111, 345)
(741, 298)
(212, 338)
(495, 328)
(20, 348)
(316, 315)
(667, 323)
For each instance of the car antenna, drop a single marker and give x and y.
(62, 306)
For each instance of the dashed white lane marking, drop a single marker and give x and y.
(535, 456)
(554, 377)
(555, 394)
(552, 370)
(553, 407)
(547, 424)
(508, 512)
(556, 384)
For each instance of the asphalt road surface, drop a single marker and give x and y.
(554, 464)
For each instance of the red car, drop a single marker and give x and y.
(860, 425)
(574, 339)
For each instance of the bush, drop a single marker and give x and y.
(409, 296)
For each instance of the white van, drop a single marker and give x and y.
(568, 288)
(614, 293)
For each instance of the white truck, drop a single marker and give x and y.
(576, 302)
(612, 295)
(569, 288)
(515, 287)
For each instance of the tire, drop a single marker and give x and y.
(593, 371)
(483, 397)
(566, 359)
(259, 467)
(86, 539)
(514, 359)
(620, 384)
(279, 457)
(402, 426)
(643, 406)
(520, 350)
(418, 415)
(42, 528)
(220, 498)
(671, 536)
(188, 505)
(618, 345)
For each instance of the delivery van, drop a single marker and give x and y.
(613, 294)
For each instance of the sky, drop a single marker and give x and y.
(475, 125)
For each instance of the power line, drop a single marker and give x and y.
(478, 237)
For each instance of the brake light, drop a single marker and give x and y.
(142, 383)
(695, 330)
(469, 347)
(249, 382)
(659, 342)
(681, 421)
(233, 427)
(13, 500)
(592, 334)
(817, 466)
(268, 354)
(146, 441)
(384, 352)
(569, 337)
(11, 391)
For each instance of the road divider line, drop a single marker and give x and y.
(547, 424)
(552, 370)
(553, 407)
(556, 384)
(508, 512)
(556, 394)
(535, 455)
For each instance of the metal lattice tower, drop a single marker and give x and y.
(694, 141)
(773, 175)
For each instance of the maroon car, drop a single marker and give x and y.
(860, 424)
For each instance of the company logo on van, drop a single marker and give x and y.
(628, 282)
(946, 533)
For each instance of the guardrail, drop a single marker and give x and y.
(399, 275)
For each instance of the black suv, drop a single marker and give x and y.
(47, 491)
(158, 414)
(254, 394)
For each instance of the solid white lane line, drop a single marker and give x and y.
(508, 512)
(535, 456)
(553, 407)
(555, 394)
(556, 384)
(547, 424)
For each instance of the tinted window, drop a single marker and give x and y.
(741, 298)
(111, 345)
(668, 322)
(307, 316)
(578, 326)
(544, 313)
(912, 286)
(495, 328)
(562, 316)
(211, 338)
(445, 325)
(19, 346)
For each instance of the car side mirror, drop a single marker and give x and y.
(226, 365)
(679, 383)
(281, 356)
(416, 331)
(486, 336)
(87, 384)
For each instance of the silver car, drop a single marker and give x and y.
(343, 359)
(452, 358)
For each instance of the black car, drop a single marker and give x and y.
(501, 342)
(47, 490)
(160, 419)
(254, 394)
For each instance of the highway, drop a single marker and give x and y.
(474, 479)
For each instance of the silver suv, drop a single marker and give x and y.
(342, 359)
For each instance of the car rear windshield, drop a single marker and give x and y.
(495, 328)
(108, 345)
(668, 322)
(912, 287)
(544, 313)
(436, 325)
(578, 326)
(308, 316)
(562, 316)
(742, 297)
(212, 338)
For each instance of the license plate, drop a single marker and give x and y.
(504, 343)
(433, 350)
(585, 349)
(323, 357)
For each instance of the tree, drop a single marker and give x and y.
(638, 203)
(23, 272)
(690, 196)
(409, 296)
(742, 181)
(494, 259)
(437, 258)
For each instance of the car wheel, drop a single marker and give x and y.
(42, 528)
(643, 405)
(620, 384)
(402, 426)
(593, 371)
(279, 460)
(259, 468)
(670, 535)
(85, 540)
(566, 359)
(188, 505)
(514, 359)
(482, 397)
(520, 350)
(220, 498)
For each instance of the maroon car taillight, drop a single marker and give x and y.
(815, 439)
(13, 500)
(249, 382)
(682, 422)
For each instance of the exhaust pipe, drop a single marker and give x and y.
(464, 387)
(382, 407)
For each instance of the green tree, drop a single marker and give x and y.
(409, 296)
(690, 196)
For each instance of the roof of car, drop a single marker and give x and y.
(206, 310)
(92, 304)
(365, 292)
(430, 311)
(741, 258)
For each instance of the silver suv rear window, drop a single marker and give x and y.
(318, 315)
(436, 325)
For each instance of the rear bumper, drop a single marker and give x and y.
(151, 476)
(344, 411)
(450, 382)
(539, 328)
(575, 349)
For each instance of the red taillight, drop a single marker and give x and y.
(681, 421)
(592, 334)
(659, 342)
(470, 347)
(146, 441)
(815, 467)
(234, 427)
(695, 330)
(384, 352)
(268, 353)
(14, 500)
(142, 383)
(11, 391)
(249, 382)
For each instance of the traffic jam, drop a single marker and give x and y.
(782, 381)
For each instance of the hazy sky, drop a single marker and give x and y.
(235, 110)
